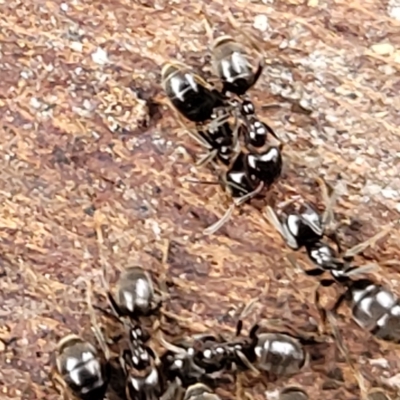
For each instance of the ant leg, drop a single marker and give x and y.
(271, 131)
(359, 248)
(238, 386)
(157, 306)
(321, 310)
(317, 301)
(273, 219)
(174, 391)
(259, 70)
(103, 275)
(217, 225)
(114, 306)
(293, 260)
(106, 312)
(248, 308)
(199, 139)
(201, 182)
(215, 123)
(362, 270)
(122, 362)
(314, 272)
(237, 202)
(93, 320)
(58, 383)
(346, 354)
(237, 127)
(245, 361)
(335, 239)
(248, 196)
(169, 346)
(329, 201)
(267, 106)
(208, 28)
(338, 303)
(194, 134)
(207, 158)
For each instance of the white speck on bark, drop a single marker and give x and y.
(100, 56)
(380, 362)
(394, 9)
(261, 23)
(35, 103)
(272, 394)
(76, 46)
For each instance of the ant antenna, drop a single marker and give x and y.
(201, 181)
(346, 354)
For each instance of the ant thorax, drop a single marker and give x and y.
(239, 179)
(220, 139)
(239, 183)
(218, 352)
(141, 386)
(182, 365)
(137, 334)
(303, 227)
(265, 166)
(140, 357)
(213, 359)
(324, 256)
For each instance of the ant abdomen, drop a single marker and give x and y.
(279, 354)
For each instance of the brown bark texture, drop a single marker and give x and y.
(87, 146)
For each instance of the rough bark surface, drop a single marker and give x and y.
(84, 146)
